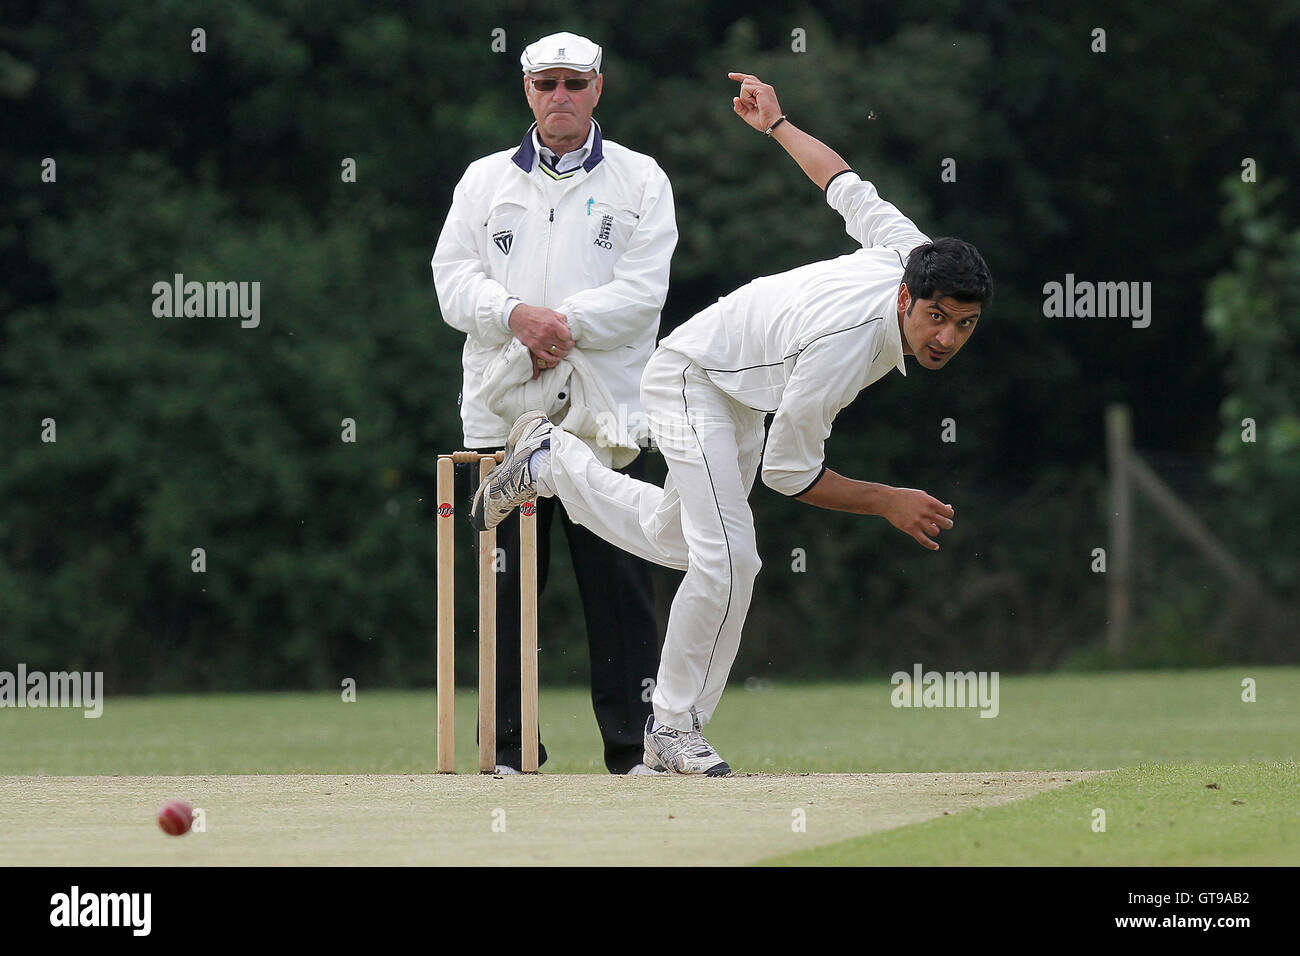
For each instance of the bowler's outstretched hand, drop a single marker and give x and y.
(757, 104)
(920, 515)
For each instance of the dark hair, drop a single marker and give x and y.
(948, 267)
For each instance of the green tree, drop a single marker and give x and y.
(1253, 312)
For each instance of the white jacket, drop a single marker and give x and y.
(595, 246)
(803, 343)
(571, 394)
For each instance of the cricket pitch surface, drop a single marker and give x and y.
(424, 820)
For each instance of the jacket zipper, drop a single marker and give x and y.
(546, 271)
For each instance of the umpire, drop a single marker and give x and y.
(564, 243)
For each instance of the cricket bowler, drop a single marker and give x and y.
(798, 346)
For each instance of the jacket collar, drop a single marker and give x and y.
(525, 156)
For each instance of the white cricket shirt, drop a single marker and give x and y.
(803, 343)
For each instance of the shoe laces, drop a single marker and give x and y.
(699, 746)
(695, 739)
(685, 742)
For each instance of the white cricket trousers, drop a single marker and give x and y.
(699, 522)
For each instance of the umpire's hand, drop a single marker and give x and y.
(544, 331)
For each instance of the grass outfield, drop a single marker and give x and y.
(1091, 721)
(1165, 736)
(1243, 815)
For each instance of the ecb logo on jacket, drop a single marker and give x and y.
(503, 240)
(606, 225)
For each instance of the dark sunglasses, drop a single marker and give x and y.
(574, 84)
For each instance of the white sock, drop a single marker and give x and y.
(539, 467)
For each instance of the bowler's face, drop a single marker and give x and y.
(934, 330)
(563, 115)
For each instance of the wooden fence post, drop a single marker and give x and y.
(1119, 559)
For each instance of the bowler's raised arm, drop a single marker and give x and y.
(757, 105)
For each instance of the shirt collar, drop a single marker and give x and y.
(895, 334)
(525, 156)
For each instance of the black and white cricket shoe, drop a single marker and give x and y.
(683, 752)
(512, 482)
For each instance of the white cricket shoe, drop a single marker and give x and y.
(512, 482)
(680, 751)
(641, 770)
(505, 770)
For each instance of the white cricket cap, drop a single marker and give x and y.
(567, 50)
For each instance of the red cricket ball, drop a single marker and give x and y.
(175, 817)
